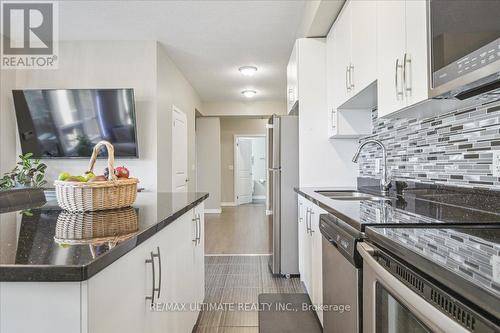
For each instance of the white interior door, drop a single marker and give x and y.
(180, 177)
(244, 177)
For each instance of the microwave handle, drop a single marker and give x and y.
(433, 318)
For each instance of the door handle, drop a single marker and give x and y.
(351, 76)
(310, 223)
(152, 262)
(195, 240)
(396, 79)
(307, 216)
(406, 80)
(158, 255)
(347, 78)
(199, 228)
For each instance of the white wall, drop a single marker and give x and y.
(141, 65)
(106, 64)
(244, 108)
(323, 162)
(174, 90)
(231, 126)
(208, 160)
(7, 122)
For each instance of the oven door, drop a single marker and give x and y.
(389, 306)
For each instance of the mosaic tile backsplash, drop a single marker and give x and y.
(453, 149)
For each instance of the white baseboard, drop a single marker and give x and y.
(228, 204)
(259, 197)
(213, 210)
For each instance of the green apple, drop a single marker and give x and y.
(88, 176)
(64, 175)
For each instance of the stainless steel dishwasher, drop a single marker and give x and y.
(342, 276)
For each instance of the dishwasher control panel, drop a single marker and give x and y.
(342, 236)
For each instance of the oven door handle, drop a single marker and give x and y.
(429, 315)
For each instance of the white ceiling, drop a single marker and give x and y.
(208, 40)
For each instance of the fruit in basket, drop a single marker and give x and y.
(106, 173)
(122, 172)
(63, 176)
(88, 175)
(75, 179)
(98, 179)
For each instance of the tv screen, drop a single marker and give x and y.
(61, 123)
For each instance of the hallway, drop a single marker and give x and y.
(236, 280)
(242, 229)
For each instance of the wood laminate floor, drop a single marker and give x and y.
(242, 229)
(238, 280)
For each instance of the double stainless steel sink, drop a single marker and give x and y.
(350, 195)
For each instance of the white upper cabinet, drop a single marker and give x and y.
(351, 68)
(292, 89)
(339, 57)
(402, 66)
(363, 44)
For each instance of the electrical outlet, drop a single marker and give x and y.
(496, 163)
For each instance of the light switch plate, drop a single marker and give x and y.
(496, 163)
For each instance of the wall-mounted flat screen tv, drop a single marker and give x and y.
(67, 123)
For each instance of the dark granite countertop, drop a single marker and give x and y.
(414, 208)
(466, 259)
(44, 243)
(452, 237)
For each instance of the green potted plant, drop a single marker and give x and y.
(27, 173)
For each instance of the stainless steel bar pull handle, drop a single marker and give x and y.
(310, 223)
(396, 79)
(195, 220)
(158, 255)
(307, 214)
(347, 86)
(351, 76)
(406, 75)
(151, 261)
(199, 228)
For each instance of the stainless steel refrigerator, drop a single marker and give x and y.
(283, 176)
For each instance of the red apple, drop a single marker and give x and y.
(122, 172)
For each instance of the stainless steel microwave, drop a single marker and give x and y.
(464, 48)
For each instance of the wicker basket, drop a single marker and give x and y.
(86, 197)
(95, 229)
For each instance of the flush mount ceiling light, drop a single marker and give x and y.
(248, 70)
(249, 93)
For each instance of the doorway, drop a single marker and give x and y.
(180, 177)
(250, 169)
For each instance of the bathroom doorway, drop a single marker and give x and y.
(250, 169)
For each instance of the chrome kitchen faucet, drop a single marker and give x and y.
(385, 182)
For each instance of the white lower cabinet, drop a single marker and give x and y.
(310, 251)
(167, 267)
(118, 299)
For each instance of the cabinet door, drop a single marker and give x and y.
(292, 79)
(301, 232)
(199, 255)
(416, 66)
(180, 273)
(341, 48)
(390, 49)
(115, 298)
(317, 262)
(308, 249)
(363, 43)
(330, 85)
